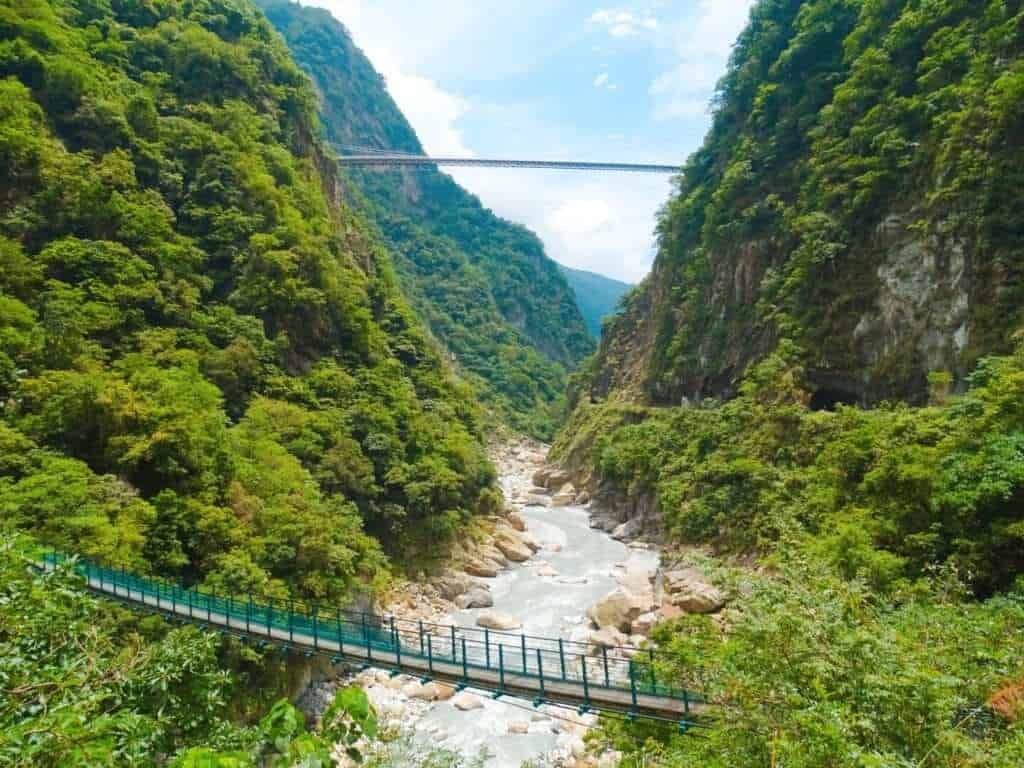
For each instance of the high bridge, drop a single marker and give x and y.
(622, 681)
(361, 156)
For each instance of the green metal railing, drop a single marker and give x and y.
(544, 661)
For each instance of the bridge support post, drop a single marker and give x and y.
(454, 655)
(430, 655)
(209, 607)
(248, 614)
(316, 639)
(397, 641)
(654, 678)
(501, 667)
(421, 636)
(526, 668)
(487, 646)
(561, 656)
(291, 620)
(586, 684)
(465, 663)
(632, 683)
(604, 657)
(189, 593)
(540, 672)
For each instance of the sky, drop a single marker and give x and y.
(556, 80)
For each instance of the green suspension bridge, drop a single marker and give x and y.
(541, 670)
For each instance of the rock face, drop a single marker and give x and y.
(619, 608)
(689, 590)
(628, 530)
(551, 477)
(565, 496)
(497, 620)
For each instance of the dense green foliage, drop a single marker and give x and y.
(207, 369)
(597, 295)
(858, 193)
(86, 683)
(483, 285)
(880, 524)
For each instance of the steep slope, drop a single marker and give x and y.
(207, 369)
(485, 286)
(857, 194)
(597, 295)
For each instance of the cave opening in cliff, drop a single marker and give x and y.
(828, 399)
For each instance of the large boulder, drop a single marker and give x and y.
(486, 569)
(627, 530)
(644, 623)
(516, 521)
(619, 608)
(497, 620)
(451, 584)
(478, 596)
(565, 496)
(537, 500)
(512, 546)
(689, 590)
(583, 498)
(466, 701)
(551, 477)
(609, 637)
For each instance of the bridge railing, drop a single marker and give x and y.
(544, 660)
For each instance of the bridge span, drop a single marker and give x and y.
(382, 159)
(623, 681)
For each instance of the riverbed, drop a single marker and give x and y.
(589, 564)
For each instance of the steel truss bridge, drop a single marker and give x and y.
(620, 681)
(360, 156)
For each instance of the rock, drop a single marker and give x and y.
(466, 702)
(425, 692)
(444, 692)
(536, 500)
(540, 477)
(583, 498)
(531, 542)
(477, 597)
(627, 530)
(519, 727)
(497, 620)
(486, 569)
(619, 608)
(644, 623)
(516, 521)
(511, 545)
(547, 571)
(609, 637)
(539, 717)
(578, 748)
(451, 584)
(566, 495)
(687, 589)
(492, 553)
(669, 612)
(413, 690)
(393, 683)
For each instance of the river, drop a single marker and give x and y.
(589, 564)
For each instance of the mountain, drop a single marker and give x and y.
(855, 194)
(208, 369)
(597, 295)
(815, 402)
(487, 290)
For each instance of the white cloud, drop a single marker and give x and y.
(623, 23)
(601, 80)
(703, 45)
(579, 217)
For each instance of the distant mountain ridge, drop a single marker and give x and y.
(484, 285)
(597, 295)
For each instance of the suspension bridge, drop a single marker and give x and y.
(622, 681)
(361, 156)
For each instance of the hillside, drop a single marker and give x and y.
(487, 290)
(856, 194)
(597, 295)
(207, 368)
(815, 399)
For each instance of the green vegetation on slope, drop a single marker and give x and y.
(849, 233)
(483, 285)
(207, 369)
(891, 604)
(858, 193)
(597, 295)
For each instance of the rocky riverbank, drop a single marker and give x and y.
(542, 567)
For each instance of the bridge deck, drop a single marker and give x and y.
(517, 665)
(384, 159)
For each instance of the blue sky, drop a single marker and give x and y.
(543, 79)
